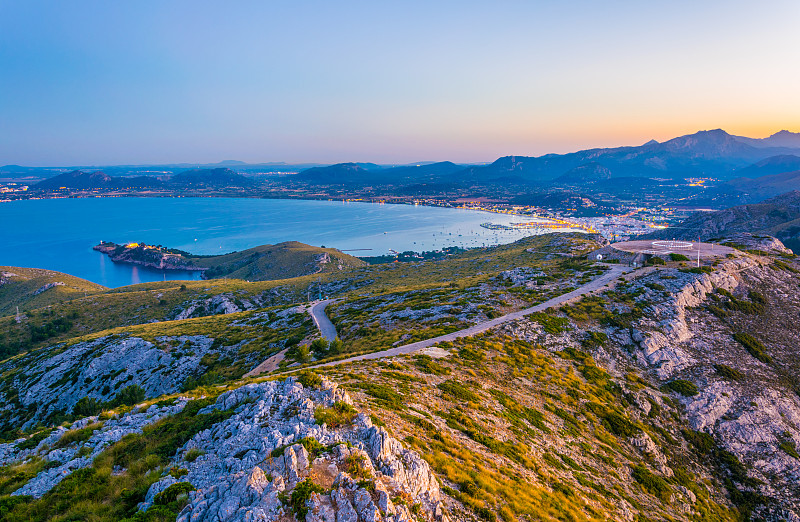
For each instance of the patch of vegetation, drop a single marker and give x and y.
(682, 386)
(337, 415)
(426, 364)
(619, 425)
(673, 256)
(14, 476)
(356, 466)
(753, 346)
(309, 379)
(789, 447)
(96, 494)
(552, 324)
(300, 495)
(383, 395)
(77, 436)
(193, 454)
(458, 391)
(652, 483)
(728, 372)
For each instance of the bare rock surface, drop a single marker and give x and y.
(72, 457)
(100, 368)
(252, 462)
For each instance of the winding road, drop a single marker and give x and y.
(592, 286)
(323, 324)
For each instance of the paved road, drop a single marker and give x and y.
(324, 325)
(596, 284)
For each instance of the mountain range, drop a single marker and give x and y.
(713, 153)
(743, 170)
(78, 179)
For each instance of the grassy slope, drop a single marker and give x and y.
(19, 289)
(523, 432)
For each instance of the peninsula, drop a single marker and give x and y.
(261, 263)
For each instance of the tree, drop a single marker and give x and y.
(87, 406)
(129, 396)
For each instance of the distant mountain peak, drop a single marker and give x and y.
(782, 139)
(784, 133)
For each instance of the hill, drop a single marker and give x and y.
(667, 395)
(29, 288)
(763, 187)
(78, 179)
(211, 177)
(282, 261)
(359, 173)
(771, 165)
(340, 173)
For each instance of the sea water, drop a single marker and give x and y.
(58, 234)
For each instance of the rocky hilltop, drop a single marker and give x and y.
(270, 451)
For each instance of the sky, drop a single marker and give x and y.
(158, 81)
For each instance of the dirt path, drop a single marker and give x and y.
(601, 282)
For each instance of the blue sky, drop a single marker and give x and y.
(99, 82)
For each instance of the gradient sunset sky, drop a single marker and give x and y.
(106, 82)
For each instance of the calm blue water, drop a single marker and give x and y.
(58, 234)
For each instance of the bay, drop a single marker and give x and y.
(58, 234)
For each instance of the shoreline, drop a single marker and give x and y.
(570, 227)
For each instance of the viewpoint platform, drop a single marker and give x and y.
(636, 253)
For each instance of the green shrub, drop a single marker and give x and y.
(356, 467)
(34, 440)
(619, 425)
(754, 346)
(337, 415)
(301, 493)
(426, 364)
(677, 257)
(309, 379)
(129, 395)
(594, 340)
(193, 454)
(458, 391)
(172, 493)
(651, 483)
(682, 386)
(702, 441)
(728, 372)
(790, 449)
(86, 407)
(384, 395)
(655, 260)
(319, 347)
